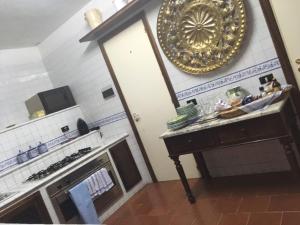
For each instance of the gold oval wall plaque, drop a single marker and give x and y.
(199, 36)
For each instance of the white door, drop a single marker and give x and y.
(287, 13)
(145, 91)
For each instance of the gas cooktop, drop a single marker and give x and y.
(58, 165)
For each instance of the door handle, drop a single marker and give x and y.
(298, 62)
(136, 117)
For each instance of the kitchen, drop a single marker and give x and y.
(56, 58)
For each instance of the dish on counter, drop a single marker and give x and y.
(177, 122)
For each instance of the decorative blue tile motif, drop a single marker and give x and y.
(247, 73)
(8, 163)
(110, 119)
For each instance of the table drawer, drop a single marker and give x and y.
(191, 142)
(251, 130)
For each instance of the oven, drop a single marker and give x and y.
(58, 192)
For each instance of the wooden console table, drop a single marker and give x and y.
(277, 121)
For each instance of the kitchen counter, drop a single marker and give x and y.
(276, 122)
(271, 109)
(30, 187)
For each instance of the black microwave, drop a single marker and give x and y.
(51, 101)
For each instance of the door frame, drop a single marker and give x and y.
(281, 52)
(164, 72)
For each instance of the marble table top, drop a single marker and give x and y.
(198, 125)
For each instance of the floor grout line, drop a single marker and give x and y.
(281, 219)
(248, 219)
(220, 219)
(240, 205)
(269, 204)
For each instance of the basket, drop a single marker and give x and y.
(231, 113)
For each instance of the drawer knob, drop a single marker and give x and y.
(189, 141)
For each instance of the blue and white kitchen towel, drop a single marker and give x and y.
(99, 182)
(84, 203)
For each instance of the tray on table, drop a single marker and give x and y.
(255, 105)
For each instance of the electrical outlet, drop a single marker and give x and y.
(192, 100)
(65, 129)
(108, 92)
(266, 79)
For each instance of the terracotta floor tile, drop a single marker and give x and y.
(255, 204)
(228, 205)
(244, 192)
(291, 218)
(201, 205)
(234, 219)
(159, 211)
(187, 219)
(285, 203)
(221, 201)
(152, 220)
(265, 219)
(207, 219)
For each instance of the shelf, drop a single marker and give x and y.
(37, 119)
(116, 20)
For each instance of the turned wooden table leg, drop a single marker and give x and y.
(183, 179)
(201, 165)
(290, 154)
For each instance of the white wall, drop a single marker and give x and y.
(81, 66)
(22, 74)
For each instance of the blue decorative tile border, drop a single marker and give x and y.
(110, 119)
(247, 73)
(8, 163)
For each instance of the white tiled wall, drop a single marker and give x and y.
(257, 49)
(47, 130)
(17, 177)
(22, 74)
(82, 66)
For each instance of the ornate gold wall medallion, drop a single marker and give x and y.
(199, 36)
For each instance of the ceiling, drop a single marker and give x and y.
(25, 23)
